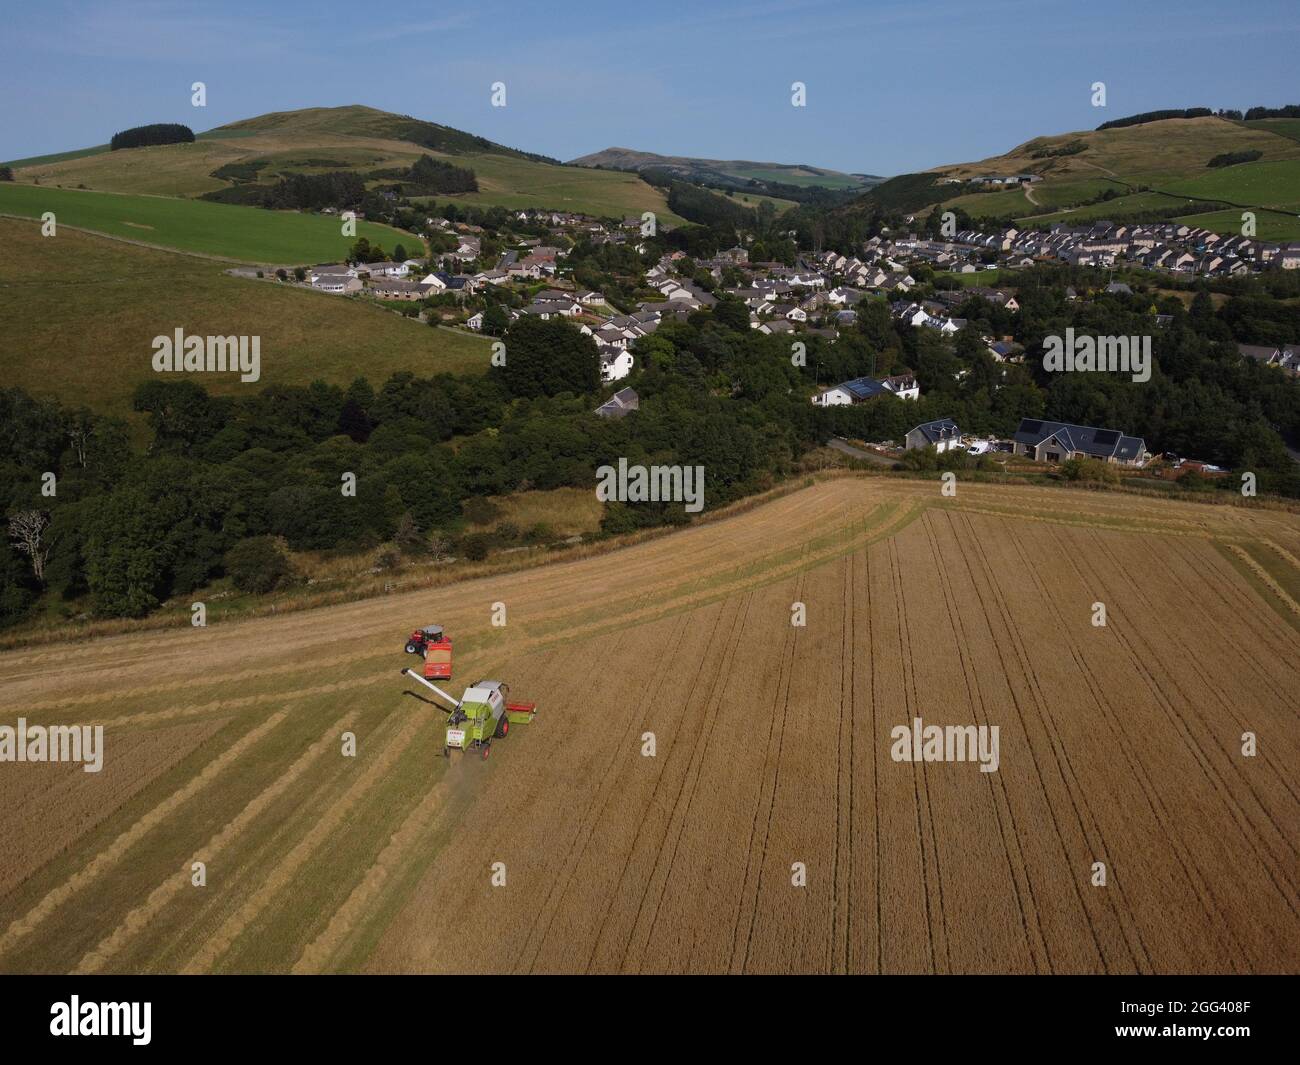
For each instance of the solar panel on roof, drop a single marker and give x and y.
(1031, 425)
(1106, 437)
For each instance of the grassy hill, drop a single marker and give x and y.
(750, 199)
(240, 234)
(78, 314)
(1155, 169)
(346, 138)
(740, 171)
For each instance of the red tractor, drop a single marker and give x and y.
(433, 646)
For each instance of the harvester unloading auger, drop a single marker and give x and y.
(482, 714)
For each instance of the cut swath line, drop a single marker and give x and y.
(171, 887)
(117, 850)
(282, 875)
(1266, 577)
(317, 953)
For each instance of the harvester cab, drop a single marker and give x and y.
(432, 644)
(482, 714)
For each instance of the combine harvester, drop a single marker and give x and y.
(482, 714)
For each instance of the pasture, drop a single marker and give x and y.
(224, 231)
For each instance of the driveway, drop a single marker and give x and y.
(857, 453)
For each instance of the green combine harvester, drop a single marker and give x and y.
(483, 714)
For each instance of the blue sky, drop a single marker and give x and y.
(892, 85)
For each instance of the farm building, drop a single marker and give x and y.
(942, 434)
(1058, 441)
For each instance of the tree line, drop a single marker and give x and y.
(309, 192)
(147, 136)
(225, 479)
(428, 177)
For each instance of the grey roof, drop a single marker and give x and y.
(620, 404)
(1259, 352)
(939, 429)
(1098, 443)
(865, 388)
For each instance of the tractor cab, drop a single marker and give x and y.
(482, 702)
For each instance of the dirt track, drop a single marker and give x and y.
(1119, 745)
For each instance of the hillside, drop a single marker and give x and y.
(1116, 745)
(357, 120)
(1153, 170)
(317, 140)
(737, 171)
(239, 234)
(78, 314)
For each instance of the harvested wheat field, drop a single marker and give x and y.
(775, 827)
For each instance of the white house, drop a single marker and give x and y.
(861, 389)
(390, 270)
(615, 365)
(563, 308)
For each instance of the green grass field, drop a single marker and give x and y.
(1268, 226)
(242, 234)
(1119, 207)
(1002, 204)
(751, 199)
(979, 277)
(1283, 127)
(519, 183)
(1070, 193)
(1265, 183)
(794, 176)
(78, 314)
